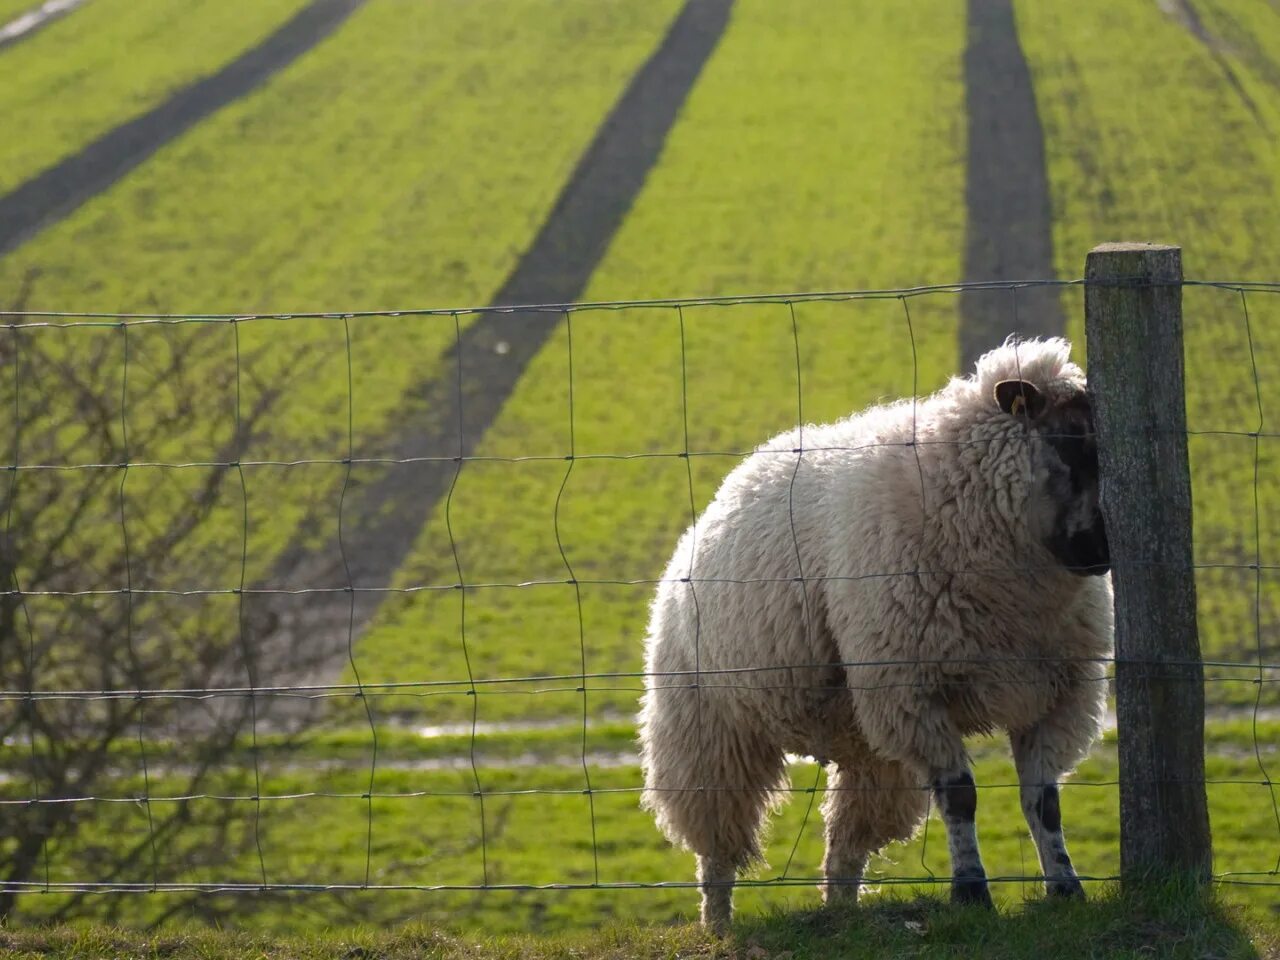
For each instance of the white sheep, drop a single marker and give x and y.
(869, 592)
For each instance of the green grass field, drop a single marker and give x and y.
(619, 520)
(404, 163)
(540, 828)
(463, 180)
(1182, 160)
(126, 56)
(1170, 923)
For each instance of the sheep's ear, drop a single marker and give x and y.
(1019, 398)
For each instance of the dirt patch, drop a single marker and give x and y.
(62, 189)
(1007, 190)
(387, 505)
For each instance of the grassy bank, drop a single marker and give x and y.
(525, 810)
(1168, 923)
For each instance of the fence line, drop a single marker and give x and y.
(731, 300)
(47, 740)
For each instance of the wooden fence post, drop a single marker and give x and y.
(1133, 326)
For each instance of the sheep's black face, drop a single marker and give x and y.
(1078, 539)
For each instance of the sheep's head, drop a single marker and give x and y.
(1066, 457)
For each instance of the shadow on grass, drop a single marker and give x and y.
(1164, 922)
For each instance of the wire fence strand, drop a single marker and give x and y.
(250, 725)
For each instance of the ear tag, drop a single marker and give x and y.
(1018, 405)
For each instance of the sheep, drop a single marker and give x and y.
(868, 593)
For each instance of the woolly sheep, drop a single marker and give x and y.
(869, 592)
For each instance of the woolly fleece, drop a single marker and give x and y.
(867, 592)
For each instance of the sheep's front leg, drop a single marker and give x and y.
(957, 797)
(1038, 784)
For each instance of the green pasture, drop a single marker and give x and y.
(397, 163)
(1171, 922)
(1185, 159)
(749, 195)
(762, 186)
(733, 380)
(1249, 32)
(401, 164)
(112, 60)
(541, 827)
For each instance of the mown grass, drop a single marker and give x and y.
(731, 380)
(1247, 35)
(796, 164)
(558, 744)
(1185, 160)
(397, 163)
(398, 745)
(109, 62)
(537, 825)
(1168, 922)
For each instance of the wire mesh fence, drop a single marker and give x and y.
(356, 601)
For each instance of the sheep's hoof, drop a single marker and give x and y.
(719, 927)
(836, 894)
(1068, 888)
(971, 890)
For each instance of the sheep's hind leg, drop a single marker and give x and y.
(868, 804)
(716, 875)
(847, 844)
(957, 796)
(1038, 786)
(898, 723)
(734, 798)
(711, 782)
(733, 815)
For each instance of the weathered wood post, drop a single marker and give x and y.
(1133, 325)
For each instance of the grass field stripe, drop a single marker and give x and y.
(62, 189)
(24, 25)
(1185, 13)
(391, 506)
(1009, 232)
